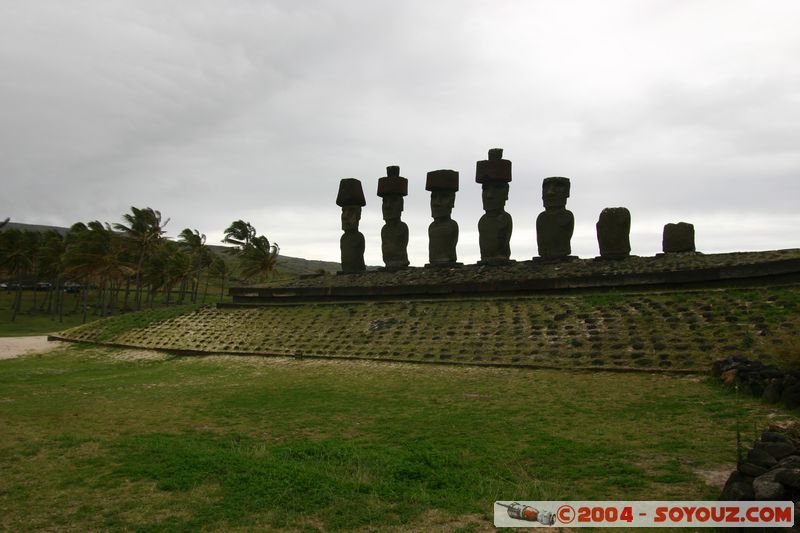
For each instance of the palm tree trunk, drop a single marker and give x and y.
(139, 282)
(205, 291)
(61, 296)
(127, 292)
(17, 300)
(85, 301)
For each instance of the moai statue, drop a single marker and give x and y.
(351, 200)
(394, 234)
(555, 224)
(613, 233)
(494, 227)
(678, 238)
(443, 231)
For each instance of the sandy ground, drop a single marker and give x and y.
(15, 346)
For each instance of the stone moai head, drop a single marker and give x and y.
(613, 233)
(678, 238)
(443, 185)
(494, 174)
(555, 192)
(351, 200)
(392, 188)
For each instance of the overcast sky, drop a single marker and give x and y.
(211, 111)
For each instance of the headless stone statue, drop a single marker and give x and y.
(613, 233)
(554, 225)
(494, 227)
(678, 238)
(351, 199)
(394, 234)
(443, 231)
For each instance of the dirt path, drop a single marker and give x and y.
(11, 347)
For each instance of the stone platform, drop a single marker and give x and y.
(686, 270)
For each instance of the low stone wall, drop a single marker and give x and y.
(768, 382)
(522, 277)
(770, 471)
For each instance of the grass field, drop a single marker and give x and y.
(98, 439)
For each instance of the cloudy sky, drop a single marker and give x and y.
(211, 111)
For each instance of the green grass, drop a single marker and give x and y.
(98, 439)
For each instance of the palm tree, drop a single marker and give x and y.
(219, 269)
(240, 234)
(50, 266)
(95, 252)
(145, 229)
(194, 243)
(259, 258)
(17, 258)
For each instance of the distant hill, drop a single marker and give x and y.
(290, 265)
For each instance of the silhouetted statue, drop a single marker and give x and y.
(443, 231)
(613, 233)
(678, 238)
(555, 224)
(351, 200)
(394, 234)
(494, 227)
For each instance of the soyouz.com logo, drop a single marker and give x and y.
(643, 514)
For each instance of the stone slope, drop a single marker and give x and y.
(684, 331)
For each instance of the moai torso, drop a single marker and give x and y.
(554, 233)
(494, 229)
(394, 243)
(442, 241)
(352, 247)
(613, 233)
(678, 238)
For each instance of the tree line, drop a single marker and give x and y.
(126, 266)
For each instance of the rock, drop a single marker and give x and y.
(778, 450)
(773, 436)
(790, 462)
(761, 458)
(791, 396)
(772, 392)
(770, 372)
(749, 469)
(789, 477)
(729, 376)
(738, 487)
(765, 488)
